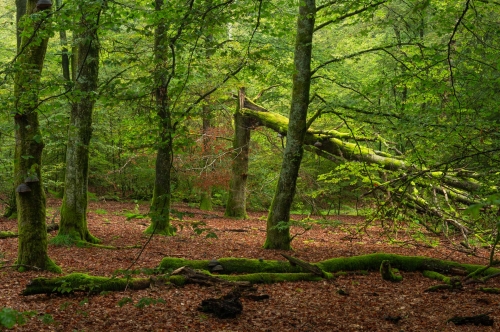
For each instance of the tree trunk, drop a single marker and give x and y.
(20, 11)
(160, 205)
(278, 237)
(64, 52)
(206, 115)
(30, 195)
(236, 202)
(206, 191)
(74, 207)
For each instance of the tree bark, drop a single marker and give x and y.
(74, 206)
(236, 202)
(30, 195)
(160, 205)
(279, 237)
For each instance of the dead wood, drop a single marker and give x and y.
(306, 266)
(483, 319)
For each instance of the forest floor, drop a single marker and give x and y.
(297, 306)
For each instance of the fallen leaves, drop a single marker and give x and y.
(349, 303)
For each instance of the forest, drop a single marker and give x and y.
(249, 165)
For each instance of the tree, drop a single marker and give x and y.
(279, 237)
(30, 195)
(73, 225)
(236, 202)
(160, 205)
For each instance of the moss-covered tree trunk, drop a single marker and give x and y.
(11, 209)
(74, 207)
(160, 205)
(30, 195)
(279, 237)
(236, 202)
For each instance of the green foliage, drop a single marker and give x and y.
(124, 301)
(147, 301)
(10, 317)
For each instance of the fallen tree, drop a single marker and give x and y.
(245, 272)
(438, 192)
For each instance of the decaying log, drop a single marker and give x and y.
(194, 277)
(483, 319)
(306, 266)
(227, 306)
(370, 262)
(80, 282)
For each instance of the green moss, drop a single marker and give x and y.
(177, 280)
(490, 290)
(404, 263)
(231, 265)
(270, 278)
(370, 262)
(82, 282)
(388, 273)
(7, 234)
(168, 231)
(206, 201)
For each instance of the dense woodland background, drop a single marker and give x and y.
(417, 79)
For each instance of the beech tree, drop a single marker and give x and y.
(279, 237)
(30, 194)
(73, 225)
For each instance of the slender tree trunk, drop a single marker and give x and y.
(279, 237)
(64, 52)
(206, 191)
(30, 195)
(74, 207)
(236, 202)
(206, 115)
(160, 205)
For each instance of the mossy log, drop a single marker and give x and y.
(306, 266)
(452, 281)
(80, 282)
(369, 262)
(489, 290)
(7, 234)
(388, 273)
(251, 271)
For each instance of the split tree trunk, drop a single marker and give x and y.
(236, 202)
(74, 207)
(30, 196)
(279, 237)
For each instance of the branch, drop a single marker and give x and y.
(340, 18)
(353, 55)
